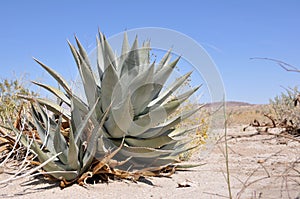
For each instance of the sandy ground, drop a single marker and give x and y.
(261, 166)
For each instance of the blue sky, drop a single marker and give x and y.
(230, 31)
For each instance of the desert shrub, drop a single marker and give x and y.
(198, 134)
(199, 137)
(284, 109)
(10, 103)
(10, 110)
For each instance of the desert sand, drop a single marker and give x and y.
(261, 166)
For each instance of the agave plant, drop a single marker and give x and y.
(126, 106)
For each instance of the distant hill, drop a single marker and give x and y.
(230, 104)
(242, 113)
(234, 103)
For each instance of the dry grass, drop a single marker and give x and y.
(244, 115)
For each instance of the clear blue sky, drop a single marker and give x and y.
(230, 31)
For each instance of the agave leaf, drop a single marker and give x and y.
(102, 58)
(152, 143)
(162, 75)
(109, 56)
(74, 53)
(52, 166)
(82, 60)
(141, 156)
(170, 106)
(164, 61)
(108, 84)
(142, 164)
(73, 153)
(103, 145)
(78, 103)
(158, 162)
(124, 53)
(143, 152)
(40, 114)
(100, 61)
(180, 150)
(143, 78)
(181, 131)
(61, 95)
(23, 139)
(125, 45)
(56, 76)
(42, 132)
(83, 54)
(82, 126)
(131, 63)
(188, 166)
(52, 106)
(92, 144)
(43, 157)
(91, 89)
(170, 146)
(77, 117)
(91, 149)
(162, 128)
(101, 38)
(60, 144)
(157, 115)
(179, 144)
(161, 98)
(126, 85)
(120, 119)
(144, 55)
(164, 161)
(152, 118)
(141, 97)
(79, 109)
(160, 113)
(187, 94)
(105, 160)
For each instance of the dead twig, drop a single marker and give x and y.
(247, 183)
(264, 133)
(251, 183)
(284, 136)
(284, 65)
(215, 194)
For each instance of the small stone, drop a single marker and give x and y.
(184, 184)
(260, 161)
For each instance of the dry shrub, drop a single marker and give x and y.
(10, 104)
(199, 134)
(284, 108)
(11, 109)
